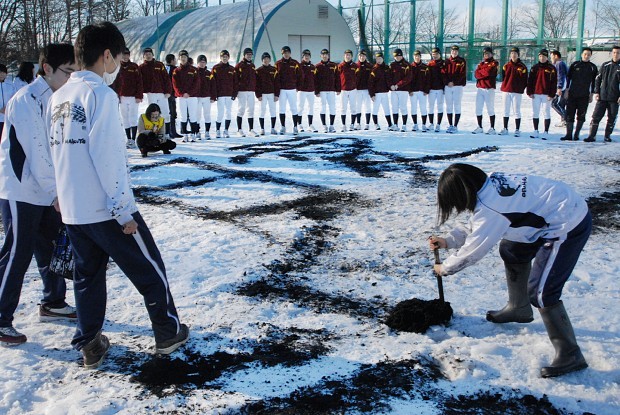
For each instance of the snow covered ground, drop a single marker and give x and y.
(285, 254)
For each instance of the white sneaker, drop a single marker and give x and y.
(377, 128)
(283, 130)
(185, 138)
(478, 130)
(403, 129)
(253, 133)
(301, 128)
(491, 131)
(312, 129)
(218, 134)
(358, 126)
(504, 131)
(193, 138)
(226, 135)
(544, 135)
(517, 133)
(11, 337)
(455, 129)
(332, 129)
(65, 312)
(415, 127)
(326, 129)
(273, 131)
(352, 128)
(424, 129)
(366, 127)
(131, 143)
(449, 129)
(393, 127)
(534, 134)
(241, 133)
(561, 124)
(262, 131)
(295, 131)
(437, 129)
(343, 129)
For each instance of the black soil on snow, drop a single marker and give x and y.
(368, 389)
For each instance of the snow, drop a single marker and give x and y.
(213, 242)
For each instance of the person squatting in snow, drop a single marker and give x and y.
(533, 218)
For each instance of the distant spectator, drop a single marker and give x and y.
(25, 75)
(6, 92)
(607, 95)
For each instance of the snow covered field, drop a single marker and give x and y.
(285, 254)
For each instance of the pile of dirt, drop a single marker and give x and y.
(417, 315)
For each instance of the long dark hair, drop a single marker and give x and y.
(25, 72)
(457, 190)
(151, 109)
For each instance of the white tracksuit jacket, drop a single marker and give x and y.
(26, 170)
(88, 152)
(516, 207)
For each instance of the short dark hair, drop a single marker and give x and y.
(94, 39)
(25, 73)
(586, 48)
(615, 47)
(151, 109)
(170, 59)
(56, 54)
(458, 189)
(3, 68)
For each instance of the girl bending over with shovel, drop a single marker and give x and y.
(534, 218)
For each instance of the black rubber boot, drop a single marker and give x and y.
(577, 130)
(518, 309)
(568, 357)
(569, 131)
(592, 136)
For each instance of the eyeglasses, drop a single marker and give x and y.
(67, 73)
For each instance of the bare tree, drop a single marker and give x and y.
(560, 18)
(427, 17)
(608, 16)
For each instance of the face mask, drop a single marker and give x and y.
(109, 78)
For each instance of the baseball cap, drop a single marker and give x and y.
(265, 55)
(363, 52)
(147, 50)
(435, 50)
(126, 51)
(183, 52)
(224, 52)
(378, 54)
(487, 50)
(515, 49)
(348, 51)
(398, 52)
(417, 52)
(455, 47)
(248, 50)
(544, 52)
(324, 51)
(306, 52)
(285, 49)
(202, 58)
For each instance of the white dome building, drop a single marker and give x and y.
(300, 24)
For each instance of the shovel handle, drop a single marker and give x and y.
(439, 279)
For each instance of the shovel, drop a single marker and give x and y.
(439, 280)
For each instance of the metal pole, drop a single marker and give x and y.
(504, 45)
(541, 23)
(340, 7)
(440, 33)
(386, 28)
(581, 13)
(470, 35)
(412, 30)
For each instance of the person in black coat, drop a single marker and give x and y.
(607, 95)
(580, 80)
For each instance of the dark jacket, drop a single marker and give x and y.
(607, 81)
(363, 73)
(309, 70)
(401, 74)
(486, 74)
(580, 79)
(185, 81)
(514, 75)
(128, 83)
(327, 78)
(437, 77)
(347, 71)
(267, 81)
(223, 76)
(291, 76)
(421, 78)
(155, 78)
(455, 71)
(380, 79)
(543, 80)
(207, 86)
(245, 72)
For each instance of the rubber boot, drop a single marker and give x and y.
(568, 357)
(593, 130)
(518, 309)
(577, 130)
(569, 131)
